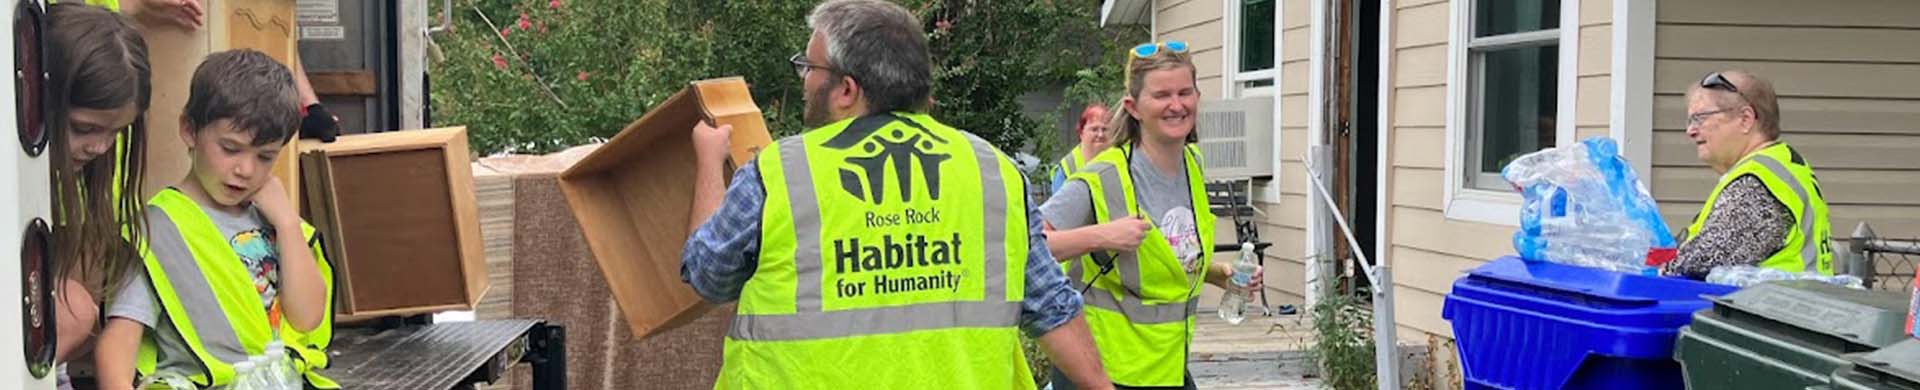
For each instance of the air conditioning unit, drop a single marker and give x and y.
(1236, 138)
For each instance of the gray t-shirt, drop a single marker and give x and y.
(1166, 199)
(248, 232)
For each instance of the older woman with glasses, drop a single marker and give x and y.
(1767, 209)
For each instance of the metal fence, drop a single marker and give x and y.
(1888, 263)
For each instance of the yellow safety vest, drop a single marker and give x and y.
(1142, 311)
(892, 256)
(213, 273)
(1787, 176)
(1071, 162)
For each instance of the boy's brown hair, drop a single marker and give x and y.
(249, 89)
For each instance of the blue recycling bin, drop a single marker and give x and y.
(1524, 325)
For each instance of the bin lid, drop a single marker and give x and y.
(1902, 360)
(1871, 318)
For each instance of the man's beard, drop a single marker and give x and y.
(817, 114)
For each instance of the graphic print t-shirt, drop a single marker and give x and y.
(252, 239)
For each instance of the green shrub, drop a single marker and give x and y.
(535, 76)
(1345, 346)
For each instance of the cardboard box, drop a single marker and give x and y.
(633, 199)
(173, 53)
(401, 226)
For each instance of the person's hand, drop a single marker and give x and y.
(274, 204)
(185, 14)
(1257, 281)
(711, 144)
(1124, 234)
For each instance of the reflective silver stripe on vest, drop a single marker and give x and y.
(1809, 249)
(873, 321)
(806, 224)
(995, 193)
(1141, 313)
(180, 268)
(1114, 194)
(811, 322)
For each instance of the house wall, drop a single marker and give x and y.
(1848, 78)
(1429, 250)
(1199, 24)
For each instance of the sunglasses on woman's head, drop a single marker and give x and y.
(1149, 49)
(1717, 81)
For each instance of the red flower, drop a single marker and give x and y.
(553, 4)
(499, 62)
(582, 76)
(943, 24)
(504, 31)
(525, 24)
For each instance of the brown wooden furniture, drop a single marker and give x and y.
(399, 221)
(632, 198)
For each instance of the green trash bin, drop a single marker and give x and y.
(1893, 368)
(1785, 335)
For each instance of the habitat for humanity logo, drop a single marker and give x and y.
(879, 147)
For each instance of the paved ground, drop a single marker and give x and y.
(1259, 353)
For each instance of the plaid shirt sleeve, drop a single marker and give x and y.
(720, 256)
(1050, 301)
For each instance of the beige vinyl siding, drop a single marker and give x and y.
(1199, 24)
(1428, 250)
(1286, 222)
(1848, 77)
(1594, 70)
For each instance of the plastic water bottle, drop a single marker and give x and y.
(263, 378)
(244, 374)
(1233, 306)
(280, 369)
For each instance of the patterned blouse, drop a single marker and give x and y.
(1747, 225)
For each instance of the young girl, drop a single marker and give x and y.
(99, 72)
(1140, 209)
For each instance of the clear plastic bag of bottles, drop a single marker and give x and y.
(1584, 205)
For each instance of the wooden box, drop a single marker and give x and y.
(633, 197)
(398, 214)
(173, 54)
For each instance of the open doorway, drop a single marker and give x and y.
(1355, 145)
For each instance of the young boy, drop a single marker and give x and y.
(230, 267)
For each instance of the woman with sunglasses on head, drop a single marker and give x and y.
(1767, 209)
(1135, 223)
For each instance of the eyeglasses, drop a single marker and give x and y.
(1149, 49)
(1696, 118)
(801, 66)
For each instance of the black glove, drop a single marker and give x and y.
(319, 124)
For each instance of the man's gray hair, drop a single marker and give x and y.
(882, 47)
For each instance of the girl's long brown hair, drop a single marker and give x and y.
(97, 61)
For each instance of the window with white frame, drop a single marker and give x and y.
(1255, 57)
(1513, 62)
